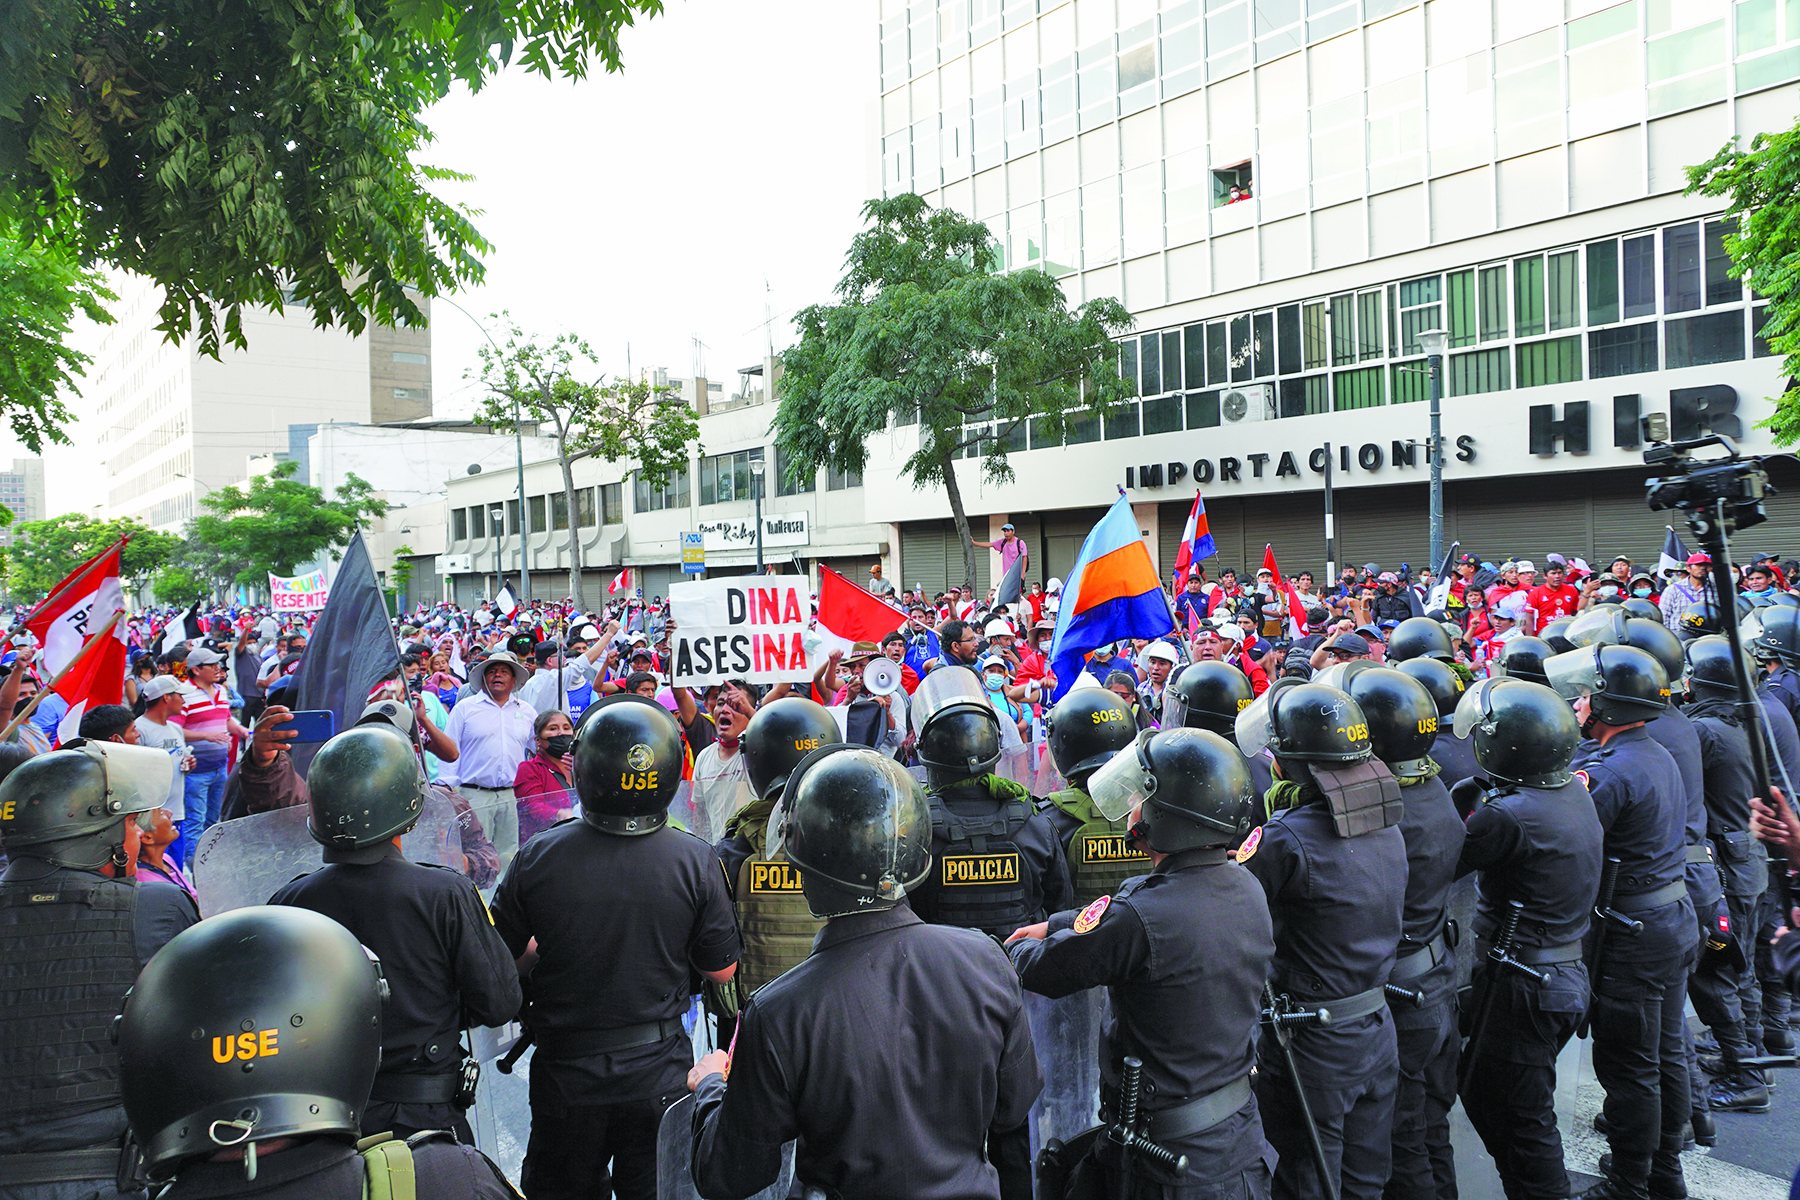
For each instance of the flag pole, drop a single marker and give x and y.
(76, 578)
(106, 631)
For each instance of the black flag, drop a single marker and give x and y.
(351, 648)
(1012, 587)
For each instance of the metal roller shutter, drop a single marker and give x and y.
(1387, 526)
(931, 554)
(1497, 519)
(1293, 524)
(1171, 519)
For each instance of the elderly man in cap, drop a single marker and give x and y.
(1156, 662)
(492, 732)
(1010, 548)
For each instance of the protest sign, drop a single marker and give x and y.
(750, 627)
(297, 593)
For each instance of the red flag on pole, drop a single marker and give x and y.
(620, 582)
(74, 612)
(1295, 605)
(849, 614)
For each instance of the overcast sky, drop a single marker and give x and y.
(647, 209)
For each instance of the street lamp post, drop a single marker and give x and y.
(756, 480)
(1433, 342)
(497, 518)
(524, 512)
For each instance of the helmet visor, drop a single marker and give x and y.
(1575, 673)
(138, 778)
(1339, 675)
(1174, 709)
(1475, 706)
(1751, 629)
(943, 689)
(1124, 782)
(1255, 727)
(1598, 627)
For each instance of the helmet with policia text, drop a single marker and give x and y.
(1710, 667)
(1192, 783)
(256, 1024)
(1419, 637)
(779, 735)
(1523, 658)
(1318, 733)
(366, 786)
(857, 825)
(1623, 684)
(1523, 733)
(1087, 727)
(69, 807)
(1445, 685)
(1402, 717)
(628, 762)
(1557, 634)
(1206, 695)
(959, 731)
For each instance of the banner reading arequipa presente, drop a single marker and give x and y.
(750, 628)
(297, 593)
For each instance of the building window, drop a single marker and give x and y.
(409, 393)
(1603, 282)
(402, 356)
(584, 507)
(536, 512)
(788, 480)
(1528, 296)
(669, 493)
(1419, 311)
(1555, 361)
(612, 504)
(459, 524)
(1358, 389)
(837, 481)
(1715, 337)
(1627, 350)
(1721, 288)
(559, 510)
(1494, 324)
(725, 478)
(1681, 268)
(1480, 371)
(512, 518)
(1231, 184)
(1460, 293)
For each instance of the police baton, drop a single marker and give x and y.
(1608, 918)
(1500, 958)
(1125, 1130)
(1283, 1019)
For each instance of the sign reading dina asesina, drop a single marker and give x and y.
(751, 627)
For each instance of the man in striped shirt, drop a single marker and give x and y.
(208, 726)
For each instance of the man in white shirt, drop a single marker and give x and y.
(721, 784)
(492, 732)
(542, 692)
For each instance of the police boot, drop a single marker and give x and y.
(1613, 1186)
(1603, 1127)
(1665, 1184)
(1706, 1133)
(1777, 1030)
(1731, 1044)
(1740, 1090)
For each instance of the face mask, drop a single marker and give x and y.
(1640, 591)
(560, 744)
(995, 682)
(1044, 647)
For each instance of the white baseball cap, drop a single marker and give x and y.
(997, 629)
(157, 688)
(1161, 650)
(1525, 564)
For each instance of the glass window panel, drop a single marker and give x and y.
(1343, 330)
(1410, 381)
(1759, 346)
(1696, 341)
(1162, 415)
(459, 524)
(1528, 296)
(1313, 337)
(1627, 350)
(584, 507)
(837, 481)
(1681, 268)
(1690, 50)
(1421, 291)
(559, 506)
(1564, 280)
(1218, 357)
(1358, 389)
(1721, 288)
(1122, 422)
(1082, 429)
(1128, 362)
(1150, 365)
(1241, 362)
(709, 481)
(1202, 410)
(1413, 321)
(1493, 303)
(1263, 344)
(1756, 25)
(1459, 288)
(536, 511)
(1603, 282)
(1481, 371)
(1013, 439)
(1638, 262)
(1171, 360)
(1137, 66)
(612, 508)
(512, 517)
(1318, 394)
(1609, 23)
(1194, 353)
(1228, 29)
(1368, 326)
(1275, 14)
(1287, 337)
(1290, 398)
(1555, 361)
(1393, 320)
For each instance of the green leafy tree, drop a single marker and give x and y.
(1764, 243)
(180, 585)
(230, 150)
(276, 522)
(41, 290)
(927, 333)
(46, 551)
(400, 575)
(558, 385)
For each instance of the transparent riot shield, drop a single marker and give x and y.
(244, 862)
(1066, 1034)
(1019, 764)
(685, 812)
(501, 1117)
(1047, 780)
(675, 1158)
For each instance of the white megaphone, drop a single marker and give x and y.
(881, 677)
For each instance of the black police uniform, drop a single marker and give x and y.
(1183, 953)
(621, 923)
(1639, 993)
(327, 1169)
(997, 862)
(1454, 756)
(60, 1112)
(874, 1053)
(446, 969)
(1777, 1002)
(1423, 1165)
(1540, 846)
(1783, 684)
(1337, 904)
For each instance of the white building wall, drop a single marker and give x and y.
(412, 466)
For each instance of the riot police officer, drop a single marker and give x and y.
(1523, 658)
(1454, 755)
(446, 968)
(1638, 979)
(611, 914)
(1724, 989)
(1420, 637)
(951, 1120)
(1533, 836)
(1087, 728)
(1332, 861)
(1403, 727)
(998, 861)
(267, 1098)
(75, 927)
(773, 920)
(1209, 696)
(1188, 1008)
(1775, 648)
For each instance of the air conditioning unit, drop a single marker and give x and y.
(1251, 402)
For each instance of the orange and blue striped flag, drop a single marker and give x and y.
(1112, 592)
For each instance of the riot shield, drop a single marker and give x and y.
(686, 813)
(501, 1117)
(675, 1158)
(1019, 764)
(1066, 1034)
(1047, 780)
(244, 862)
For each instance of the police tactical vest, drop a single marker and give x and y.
(1099, 859)
(57, 1057)
(984, 881)
(774, 923)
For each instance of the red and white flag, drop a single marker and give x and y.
(1295, 605)
(849, 614)
(621, 582)
(71, 616)
(506, 602)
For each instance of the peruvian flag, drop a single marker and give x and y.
(1296, 606)
(621, 582)
(68, 624)
(849, 614)
(1196, 543)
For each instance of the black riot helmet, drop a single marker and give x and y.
(1557, 634)
(779, 735)
(1402, 717)
(259, 1023)
(1419, 637)
(1206, 695)
(1641, 609)
(1523, 733)
(1700, 619)
(959, 731)
(1623, 684)
(628, 762)
(69, 807)
(1777, 636)
(366, 786)
(1711, 671)
(1523, 658)
(1444, 684)
(1304, 722)
(1192, 783)
(1087, 727)
(1655, 639)
(857, 825)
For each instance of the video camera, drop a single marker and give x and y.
(1697, 487)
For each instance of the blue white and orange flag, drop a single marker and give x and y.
(1112, 592)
